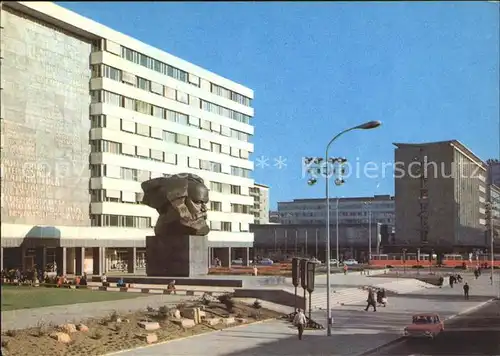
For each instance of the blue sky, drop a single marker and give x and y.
(428, 71)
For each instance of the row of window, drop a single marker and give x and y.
(102, 70)
(140, 175)
(139, 222)
(101, 121)
(160, 156)
(224, 187)
(117, 196)
(183, 76)
(227, 226)
(104, 96)
(229, 94)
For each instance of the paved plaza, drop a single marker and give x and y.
(354, 332)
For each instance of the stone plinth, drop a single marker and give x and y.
(176, 256)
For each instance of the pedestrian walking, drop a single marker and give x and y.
(466, 291)
(300, 322)
(371, 301)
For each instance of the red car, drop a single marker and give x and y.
(424, 325)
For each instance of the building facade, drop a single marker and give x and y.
(440, 190)
(494, 199)
(87, 114)
(494, 171)
(260, 193)
(279, 241)
(357, 210)
(274, 217)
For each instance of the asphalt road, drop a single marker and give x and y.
(477, 333)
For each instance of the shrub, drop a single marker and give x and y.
(11, 333)
(163, 311)
(113, 316)
(257, 304)
(97, 335)
(5, 343)
(224, 297)
(41, 329)
(228, 301)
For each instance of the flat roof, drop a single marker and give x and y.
(344, 199)
(77, 24)
(454, 143)
(261, 185)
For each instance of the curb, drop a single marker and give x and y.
(402, 338)
(188, 337)
(156, 291)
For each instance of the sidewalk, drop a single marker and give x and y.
(354, 332)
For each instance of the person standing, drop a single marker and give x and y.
(371, 301)
(300, 322)
(466, 291)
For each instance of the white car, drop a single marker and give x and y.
(334, 262)
(315, 260)
(350, 262)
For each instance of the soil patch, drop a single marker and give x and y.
(116, 332)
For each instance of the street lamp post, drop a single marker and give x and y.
(337, 232)
(365, 126)
(369, 205)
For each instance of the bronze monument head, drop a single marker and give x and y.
(181, 200)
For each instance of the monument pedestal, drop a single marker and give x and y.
(176, 256)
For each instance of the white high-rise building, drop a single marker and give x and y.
(87, 114)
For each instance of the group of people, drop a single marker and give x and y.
(376, 298)
(35, 276)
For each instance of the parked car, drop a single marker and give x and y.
(424, 326)
(350, 262)
(315, 260)
(334, 262)
(266, 262)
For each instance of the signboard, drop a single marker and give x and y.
(311, 272)
(303, 273)
(295, 271)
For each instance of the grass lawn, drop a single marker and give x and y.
(14, 297)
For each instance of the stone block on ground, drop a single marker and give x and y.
(68, 328)
(229, 321)
(82, 327)
(192, 313)
(185, 323)
(150, 338)
(61, 337)
(213, 321)
(175, 313)
(149, 325)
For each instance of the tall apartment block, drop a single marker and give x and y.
(87, 114)
(440, 190)
(260, 192)
(494, 172)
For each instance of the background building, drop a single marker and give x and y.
(260, 193)
(308, 240)
(274, 217)
(151, 114)
(494, 171)
(440, 190)
(351, 210)
(494, 199)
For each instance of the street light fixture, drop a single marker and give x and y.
(339, 181)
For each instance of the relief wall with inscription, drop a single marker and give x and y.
(45, 125)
